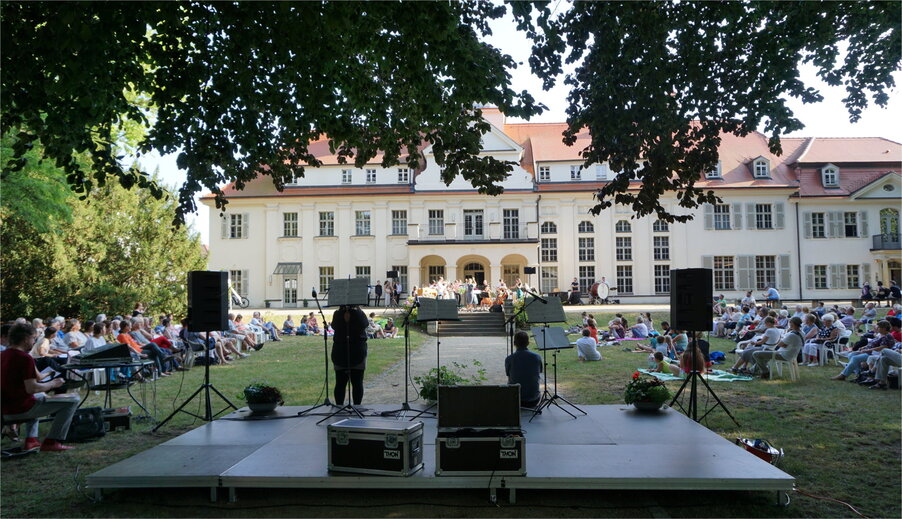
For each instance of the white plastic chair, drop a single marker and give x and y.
(836, 347)
(776, 366)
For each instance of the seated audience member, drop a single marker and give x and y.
(726, 321)
(44, 354)
(227, 348)
(810, 327)
(390, 330)
(680, 341)
(524, 367)
(819, 309)
(878, 346)
(770, 295)
(881, 292)
(74, 339)
(304, 328)
(288, 326)
(373, 329)
(22, 396)
(587, 347)
(661, 343)
(848, 318)
(663, 365)
(695, 361)
(151, 350)
(593, 329)
(748, 300)
(585, 317)
(811, 350)
(866, 294)
(720, 304)
(267, 326)
(649, 322)
(241, 332)
(313, 324)
(783, 319)
(895, 293)
(640, 330)
(799, 312)
(665, 329)
(787, 349)
(96, 339)
(615, 327)
(895, 311)
(767, 340)
(870, 313)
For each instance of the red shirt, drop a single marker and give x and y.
(896, 335)
(16, 366)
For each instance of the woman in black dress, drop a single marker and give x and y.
(349, 352)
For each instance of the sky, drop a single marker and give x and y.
(828, 118)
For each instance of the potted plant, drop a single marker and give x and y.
(646, 393)
(261, 397)
(449, 377)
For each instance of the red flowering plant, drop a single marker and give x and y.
(645, 390)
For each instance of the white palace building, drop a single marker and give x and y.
(817, 222)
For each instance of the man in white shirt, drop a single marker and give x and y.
(586, 347)
(766, 341)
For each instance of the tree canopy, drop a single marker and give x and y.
(241, 88)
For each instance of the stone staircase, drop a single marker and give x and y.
(475, 324)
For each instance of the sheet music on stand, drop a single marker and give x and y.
(437, 310)
(537, 312)
(344, 292)
(550, 338)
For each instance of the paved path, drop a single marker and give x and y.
(388, 387)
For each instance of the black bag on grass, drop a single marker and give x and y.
(87, 424)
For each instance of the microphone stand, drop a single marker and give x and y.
(349, 407)
(326, 401)
(405, 406)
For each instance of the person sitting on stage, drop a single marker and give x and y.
(664, 366)
(288, 326)
(349, 351)
(390, 330)
(524, 367)
(22, 396)
(312, 324)
(587, 347)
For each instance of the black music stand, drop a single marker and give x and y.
(552, 339)
(510, 324)
(436, 310)
(346, 292)
(326, 401)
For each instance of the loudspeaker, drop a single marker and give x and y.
(691, 303)
(529, 270)
(393, 274)
(208, 303)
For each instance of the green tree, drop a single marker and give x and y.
(241, 88)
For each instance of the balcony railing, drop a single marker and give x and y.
(886, 242)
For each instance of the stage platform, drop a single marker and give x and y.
(613, 447)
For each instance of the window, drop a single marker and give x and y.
(722, 217)
(362, 223)
(346, 176)
(436, 272)
(510, 273)
(830, 176)
(587, 249)
(723, 273)
(851, 221)
(473, 223)
(586, 277)
(852, 276)
(326, 275)
(544, 174)
(236, 226)
(765, 271)
(549, 228)
(585, 227)
(624, 248)
(327, 223)
(662, 279)
(363, 273)
(660, 226)
(403, 175)
(236, 278)
(818, 225)
(549, 250)
(511, 224)
(402, 275)
(714, 173)
(622, 226)
(820, 276)
(624, 279)
(399, 222)
(549, 279)
(764, 216)
(601, 171)
(371, 176)
(661, 248)
(762, 168)
(289, 224)
(436, 222)
(575, 173)
(290, 290)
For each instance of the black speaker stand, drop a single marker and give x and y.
(205, 387)
(692, 379)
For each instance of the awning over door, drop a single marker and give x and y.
(288, 268)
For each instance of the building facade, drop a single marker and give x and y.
(817, 222)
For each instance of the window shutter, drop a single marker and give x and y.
(836, 225)
(736, 217)
(779, 216)
(807, 220)
(863, 224)
(836, 276)
(785, 273)
(865, 274)
(224, 219)
(708, 262)
(744, 269)
(244, 222)
(750, 215)
(809, 276)
(709, 216)
(245, 277)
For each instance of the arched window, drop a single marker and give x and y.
(761, 168)
(830, 176)
(623, 226)
(549, 228)
(660, 226)
(586, 226)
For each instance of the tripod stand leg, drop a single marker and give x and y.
(571, 404)
(188, 400)
(719, 403)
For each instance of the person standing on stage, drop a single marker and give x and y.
(349, 351)
(524, 367)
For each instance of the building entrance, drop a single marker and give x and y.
(476, 271)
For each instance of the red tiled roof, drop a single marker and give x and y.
(850, 180)
(824, 150)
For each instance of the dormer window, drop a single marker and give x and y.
(830, 176)
(714, 173)
(761, 168)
